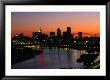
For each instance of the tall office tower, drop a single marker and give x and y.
(58, 32)
(69, 31)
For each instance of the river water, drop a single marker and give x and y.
(55, 58)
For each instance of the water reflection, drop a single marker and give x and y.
(54, 58)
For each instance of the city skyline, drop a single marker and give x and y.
(28, 22)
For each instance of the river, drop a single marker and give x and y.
(55, 58)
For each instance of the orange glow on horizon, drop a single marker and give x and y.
(27, 23)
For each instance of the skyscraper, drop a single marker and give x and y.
(58, 32)
(69, 31)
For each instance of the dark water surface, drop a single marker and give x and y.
(55, 58)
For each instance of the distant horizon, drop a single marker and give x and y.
(28, 22)
(83, 34)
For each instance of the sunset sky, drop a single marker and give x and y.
(28, 22)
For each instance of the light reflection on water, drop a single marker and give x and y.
(53, 59)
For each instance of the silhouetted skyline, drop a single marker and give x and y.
(28, 22)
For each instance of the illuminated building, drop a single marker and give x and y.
(40, 30)
(36, 34)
